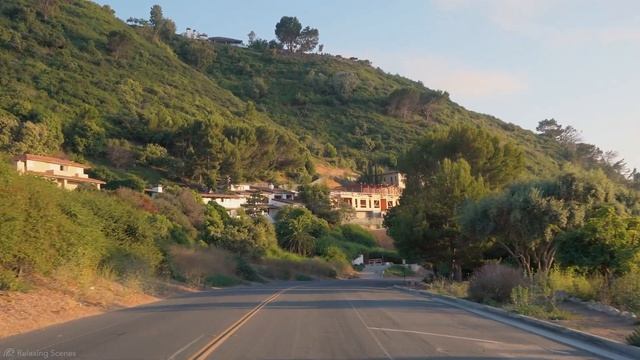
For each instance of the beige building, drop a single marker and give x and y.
(367, 201)
(393, 178)
(67, 174)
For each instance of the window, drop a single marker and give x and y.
(390, 203)
(376, 204)
(363, 203)
(61, 167)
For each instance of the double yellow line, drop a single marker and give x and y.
(208, 349)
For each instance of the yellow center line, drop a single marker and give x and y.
(208, 349)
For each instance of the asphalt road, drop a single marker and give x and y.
(351, 319)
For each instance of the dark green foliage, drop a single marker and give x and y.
(526, 218)
(199, 54)
(423, 226)
(130, 182)
(290, 33)
(246, 271)
(297, 230)
(497, 162)
(242, 234)
(357, 234)
(608, 242)
(316, 198)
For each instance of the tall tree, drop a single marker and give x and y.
(287, 31)
(156, 16)
(424, 225)
(308, 39)
(496, 161)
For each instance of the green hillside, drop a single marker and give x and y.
(77, 79)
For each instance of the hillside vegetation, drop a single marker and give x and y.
(151, 104)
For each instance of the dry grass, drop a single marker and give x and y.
(494, 282)
(54, 300)
(289, 269)
(195, 266)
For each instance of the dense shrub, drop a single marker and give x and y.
(357, 234)
(200, 267)
(494, 282)
(44, 228)
(246, 271)
(575, 284)
(625, 292)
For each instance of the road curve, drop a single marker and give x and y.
(350, 319)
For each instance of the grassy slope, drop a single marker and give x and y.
(294, 99)
(60, 64)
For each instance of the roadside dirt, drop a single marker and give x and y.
(50, 302)
(596, 322)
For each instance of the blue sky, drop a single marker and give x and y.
(520, 60)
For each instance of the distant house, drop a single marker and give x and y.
(369, 202)
(154, 191)
(239, 187)
(227, 201)
(225, 40)
(393, 178)
(67, 174)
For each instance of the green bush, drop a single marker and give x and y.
(221, 280)
(625, 292)
(575, 284)
(45, 228)
(9, 281)
(398, 270)
(246, 271)
(357, 234)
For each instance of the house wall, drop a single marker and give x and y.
(55, 169)
(227, 203)
(395, 179)
(363, 202)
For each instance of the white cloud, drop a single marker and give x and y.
(529, 18)
(457, 78)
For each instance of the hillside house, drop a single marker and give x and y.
(154, 190)
(393, 178)
(368, 201)
(231, 202)
(67, 174)
(225, 41)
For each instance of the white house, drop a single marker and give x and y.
(227, 201)
(67, 174)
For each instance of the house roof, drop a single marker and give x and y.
(220, 196)
(72, 178)
(222, 39)
(51, 160)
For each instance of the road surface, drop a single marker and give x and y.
(350, 319)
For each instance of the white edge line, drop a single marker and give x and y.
(434, 334)
(185, 347)
(373, 335)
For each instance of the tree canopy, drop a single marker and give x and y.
(290, 33)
